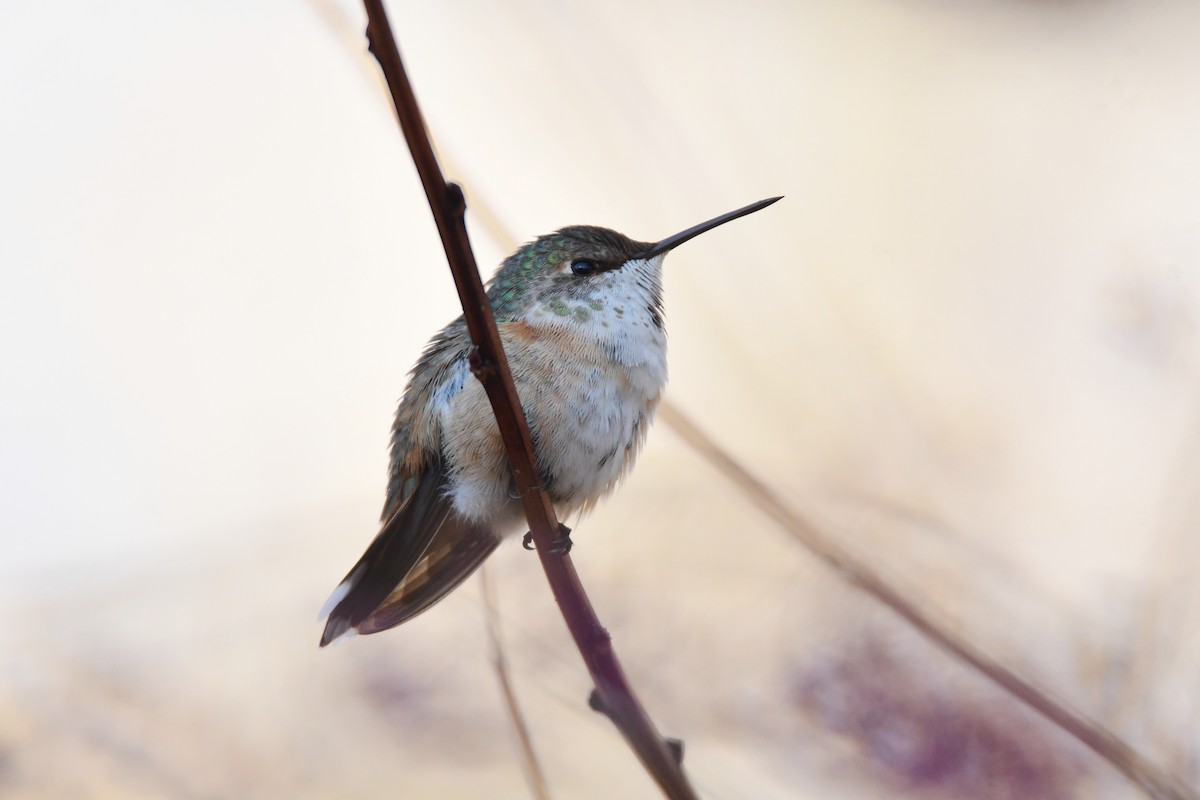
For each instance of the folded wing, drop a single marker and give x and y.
(394, 554)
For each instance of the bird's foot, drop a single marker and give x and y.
(560, 545)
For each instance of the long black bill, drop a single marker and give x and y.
(674, 241)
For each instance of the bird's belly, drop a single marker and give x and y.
(589, 440)
(588, 411)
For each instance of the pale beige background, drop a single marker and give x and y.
(966, 342)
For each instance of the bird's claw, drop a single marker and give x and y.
(561, 545)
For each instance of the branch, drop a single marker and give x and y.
(488, 362)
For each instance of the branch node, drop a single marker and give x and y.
(482, 367)
(598, 638)
(527, 542)
(597, 704)
(456, 199)
(676, 748)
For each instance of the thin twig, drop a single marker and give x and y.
(534, 775)
(491, 367)
(1118, 753)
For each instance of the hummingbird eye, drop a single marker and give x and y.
(583, 266)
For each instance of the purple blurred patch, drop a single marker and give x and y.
(931, 735)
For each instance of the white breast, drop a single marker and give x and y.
(611, 366)
(590, 373)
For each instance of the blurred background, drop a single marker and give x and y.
(965, 344)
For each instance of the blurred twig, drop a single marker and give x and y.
(490, 366)
(1118, 753)
(533, 768)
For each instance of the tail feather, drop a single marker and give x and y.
(458, 550)
(393, 554)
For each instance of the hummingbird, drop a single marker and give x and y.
(580, 317)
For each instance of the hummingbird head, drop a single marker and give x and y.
(581, 273)
(562, 271)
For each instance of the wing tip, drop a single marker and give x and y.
(337, 631)
(337, 626)
(335, 599)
